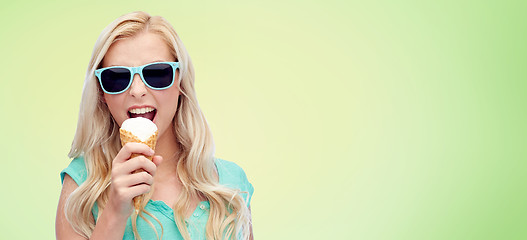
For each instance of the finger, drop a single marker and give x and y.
(132, 180)
(157, 159)
(137, 190)
(132, 147)
(137, 163)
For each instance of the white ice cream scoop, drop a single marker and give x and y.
(141, 127)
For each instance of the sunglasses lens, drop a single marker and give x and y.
(159, 75)
(115, 79)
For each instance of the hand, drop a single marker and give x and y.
(125, 183)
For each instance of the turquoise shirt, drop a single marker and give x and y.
(230, 175)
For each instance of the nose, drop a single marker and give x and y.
(138, 88)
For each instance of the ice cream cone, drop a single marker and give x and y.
(128, 136)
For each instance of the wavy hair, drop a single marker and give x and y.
(97, 139)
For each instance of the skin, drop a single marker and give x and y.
(139, 50)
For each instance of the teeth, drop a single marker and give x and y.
(141, 110)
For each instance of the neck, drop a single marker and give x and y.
(167, 147)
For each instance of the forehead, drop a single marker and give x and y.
(143, 48)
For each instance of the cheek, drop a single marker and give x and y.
(110, 101)
(169, 96)
(115, 106)
(168, 102)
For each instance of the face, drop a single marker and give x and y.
(137, 51)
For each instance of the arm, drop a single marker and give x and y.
(63, 230)
(251, 226)
(109, 226)
(126, 184)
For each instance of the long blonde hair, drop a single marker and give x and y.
(97, 139)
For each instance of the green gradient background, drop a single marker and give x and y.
(352, 119)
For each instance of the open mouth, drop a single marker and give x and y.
(146, 112)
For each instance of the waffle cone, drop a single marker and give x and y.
(126, 137)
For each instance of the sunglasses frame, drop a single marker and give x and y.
(137, 70)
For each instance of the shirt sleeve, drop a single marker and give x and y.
(233, 176)
(248, 187)
(76, 170)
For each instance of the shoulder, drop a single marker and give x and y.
(76, 170)
(229, 172)
(233, 176)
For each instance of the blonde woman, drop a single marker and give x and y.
(145, 71)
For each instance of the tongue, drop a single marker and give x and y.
(148, 115)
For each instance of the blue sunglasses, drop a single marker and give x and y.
(117, 79)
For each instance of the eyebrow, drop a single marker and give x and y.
(139, 65)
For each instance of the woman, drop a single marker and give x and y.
(193, 195)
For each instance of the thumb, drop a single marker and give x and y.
(157, 160)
